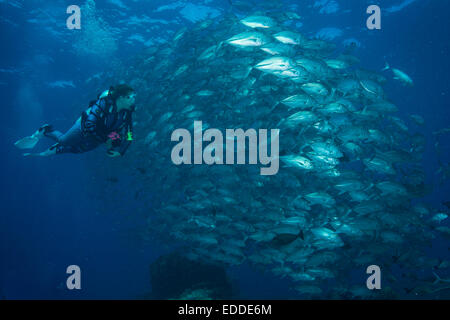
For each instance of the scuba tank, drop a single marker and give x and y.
(85, 113)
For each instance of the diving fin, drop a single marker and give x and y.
(31, 141)
(28, 142)
(49, 152)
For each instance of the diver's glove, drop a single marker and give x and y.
(112, 143)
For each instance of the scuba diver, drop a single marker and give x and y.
(107, 120)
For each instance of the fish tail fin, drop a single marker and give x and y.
(386, 67)
(438, 279)
(333, 93)
(347, 213)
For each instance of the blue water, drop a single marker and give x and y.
(50, 218)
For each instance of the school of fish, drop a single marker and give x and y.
(347, 194)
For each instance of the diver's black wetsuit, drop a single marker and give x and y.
(93, 127)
